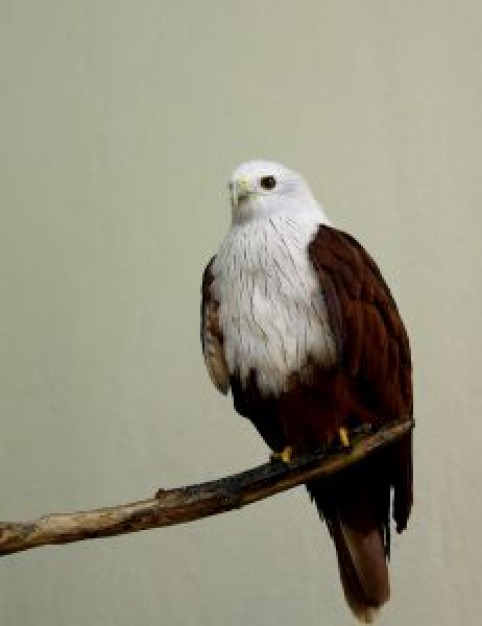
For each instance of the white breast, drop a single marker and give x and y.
(271, 310)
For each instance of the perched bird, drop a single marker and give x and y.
(297, 321)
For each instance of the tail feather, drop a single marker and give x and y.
(356, 510)
(363, 568)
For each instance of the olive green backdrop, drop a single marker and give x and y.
(119, 125)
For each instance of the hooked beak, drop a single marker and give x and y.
(238, 190)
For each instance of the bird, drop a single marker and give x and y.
(299, 324)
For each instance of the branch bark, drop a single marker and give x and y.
(186, 504)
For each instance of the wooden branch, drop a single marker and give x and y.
(186, 504)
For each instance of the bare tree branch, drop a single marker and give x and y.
(186, 504)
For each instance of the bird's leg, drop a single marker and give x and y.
(344, 438)
(286, 455)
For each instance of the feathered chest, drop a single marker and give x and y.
(272, 312)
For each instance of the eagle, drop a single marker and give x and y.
(299, 324)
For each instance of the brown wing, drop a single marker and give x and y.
(374, 351)
(373, 345)
(211, 335)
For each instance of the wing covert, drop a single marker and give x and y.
(372, 342)
(373, 345)
(211, 334)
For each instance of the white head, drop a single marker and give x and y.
(261, 189)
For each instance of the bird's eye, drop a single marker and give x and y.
(267, 182)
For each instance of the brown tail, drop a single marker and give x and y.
(363, 568)
(356, 512)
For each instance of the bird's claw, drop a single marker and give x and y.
(344, 438)
(286, 455)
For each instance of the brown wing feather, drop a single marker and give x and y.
(375, 352)
(211, 334)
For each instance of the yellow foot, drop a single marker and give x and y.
(286, 455)
(344, 439)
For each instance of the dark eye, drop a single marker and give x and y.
(267, 182)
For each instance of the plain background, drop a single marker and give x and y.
(120, 123)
